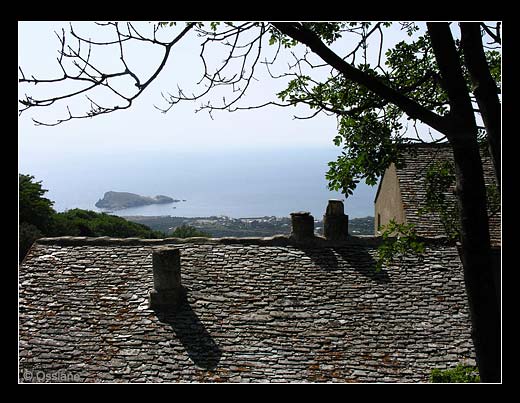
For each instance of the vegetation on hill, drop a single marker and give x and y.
(187, 231)
(35, 211)
(78, 222)
(39, 219)
(361, 226)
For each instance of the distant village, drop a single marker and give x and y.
(223, 226)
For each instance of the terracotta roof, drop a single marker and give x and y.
(417, 159)
(257, 311)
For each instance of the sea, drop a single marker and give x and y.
(236, 183)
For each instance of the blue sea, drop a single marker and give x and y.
(235, 183)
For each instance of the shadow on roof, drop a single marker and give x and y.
(355, 258)
(190, 331)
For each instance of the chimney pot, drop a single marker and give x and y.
(302, 226)
(335, 208)
(167, 287)
(335, 222)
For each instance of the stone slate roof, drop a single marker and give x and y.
(417, 159)
(264, 310)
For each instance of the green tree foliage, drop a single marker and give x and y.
(34, 209)
(38, 219)
(440, 185)
(27, 234)
(187, 231)
(35, 213)
(459, 374)
(78, 222)
(370, 152)
(370, 129)
(440, 182)
(398, 240)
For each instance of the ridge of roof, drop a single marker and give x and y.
(442, 144)
(379, 185)
(277, 240)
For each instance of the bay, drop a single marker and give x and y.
(237, 182)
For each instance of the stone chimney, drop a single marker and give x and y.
(167, 289)
(335, 222)
(302, 226)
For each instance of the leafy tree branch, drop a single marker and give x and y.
(398, 241)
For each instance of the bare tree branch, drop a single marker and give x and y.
(245, 73)
(243, 51)
(97, 78)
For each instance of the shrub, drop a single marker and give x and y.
(398, 240)
(187, 231)
(34, 209)
(28, 233)
(37, 219)
(89, 223)
(459, 374)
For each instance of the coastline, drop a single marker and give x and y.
(222, 226)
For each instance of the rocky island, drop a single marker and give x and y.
(123, 200)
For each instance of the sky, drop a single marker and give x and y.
(144, 127)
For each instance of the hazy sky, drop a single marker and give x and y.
(142, 126)
(144, 129)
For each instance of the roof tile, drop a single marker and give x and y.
(417, 159)
(254, 313)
